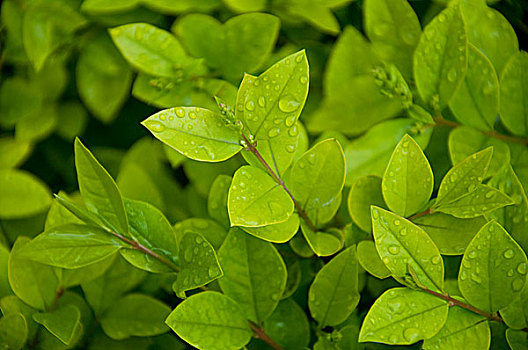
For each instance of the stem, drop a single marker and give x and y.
(454, 302)
(439, 120)
(58, 294)
(260, 333)
(252, 147)
(428, 211)
(142, 248)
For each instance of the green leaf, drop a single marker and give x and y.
(334, 292)
(150, 228)
(476, 102)
(239, 6)
(394, 30)
(464, 177)
(464, 141)
(13, 152)
(135, 315)
(402, 316)
(22, 194)
(13, 331)
(38, 125)
(318, 176)
(276, 233)
(71, 120)
(79, 212)
(315, 12)
(254, 274)
(450, 234)
(99, 191)
(461, 328)
(369, 260)
(513, 95)
(135, 183)
(517, 340)
(227, 328)
(370, 153)
(103, 78)
(217, 199)
(321, 243)
(34, 283)
(74, 277)
(365, 191)
(209, 229)
(440, 59)
(46, 27)
(241, 44)
(402, 246)
(71, 246)
(61, 322)
(407, 167)
(199, 264)
(491, 276)
(12, 305)
(255, 199)
(108, 6)
(152, 50)
(515, 315)
(288, 325)
(479, 202)
(195, 132)
(18, 98)
(5, 289)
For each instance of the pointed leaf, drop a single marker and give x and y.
(365, 191)
(369, 259)
(276, 233)
(513, 95)
(61, 322)
(321, 243)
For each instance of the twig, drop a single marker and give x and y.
(428, 211)
(261, 334)
(252, 147)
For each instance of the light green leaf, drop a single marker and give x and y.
(71, 246)
(365, 191)
(440, 59)
(135, 315)
(334, 293)
(199, 264)
(103, 78)
(38, 125)
(255, 199)
(517, 340)
(490, 32)
(321, 243)
(450, 234)
(513, 95)
(79, 212)
(203, 174)
(61, 322)
(74, 277)
(225, 329)
(464, 141)
(276, 233)
(239, 6)
(315, 12)
(135, 183)
(318, 176)
(152, 50)
(11, 305)
(71, 120)
(394, 30)
(479, 202)
(13, 331)
(515, 315)
(209, 229)
(5, 289)
(369, 259)
(294, 278)
(462, 328)
(493, 269)
(464, 177)
(402, 316)
(13, 152)
(22, 194)
(402, 246)
(519, 162)
(149, 227)
(407, 167)
(217, 199)
(46, 27)
(370, 153)
(18, 98)
(254, 274)
(99, 191)
(171, 7)
(288, 325)
(108, 6)
(34, 283)
(195, 132)
(476, 102)
(241, 44)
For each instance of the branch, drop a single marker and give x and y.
(260, 333)
(428, 211)
(252, 147)
(439, 120)
(454, 302)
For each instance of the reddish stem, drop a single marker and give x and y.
(261, 334)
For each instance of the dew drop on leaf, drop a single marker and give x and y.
(508, 254)
(250, 105)
(154, 126)
(411, 334)
(288, 103)
(521, 268)
(273, 132)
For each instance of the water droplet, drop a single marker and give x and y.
(192, 115)
(471, 188)
(188, 254)
(521, 268)
(162, 117)
(180, 112)
(154, 126)
(303, 80)
(411, 334)
(250, 105)
(508, 254)
(489, 194)
(397, 222)
(476, 278)
(299, 58)
(436, 260)
(311, 158)
(403, 232)
(262, 101)
(394, 249)
(375, 213)
(198, 239)
(472, 254)
(276, 208)
(518, 284)
(288, 104)
(381, 29)
(291, 148)
(441, 17)
(273, 132)
(213, 272)
(452, 74)
(463, 275)
(393, 339)
(275, 296)
(294, 130)
(290, 120)
(510, 273)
